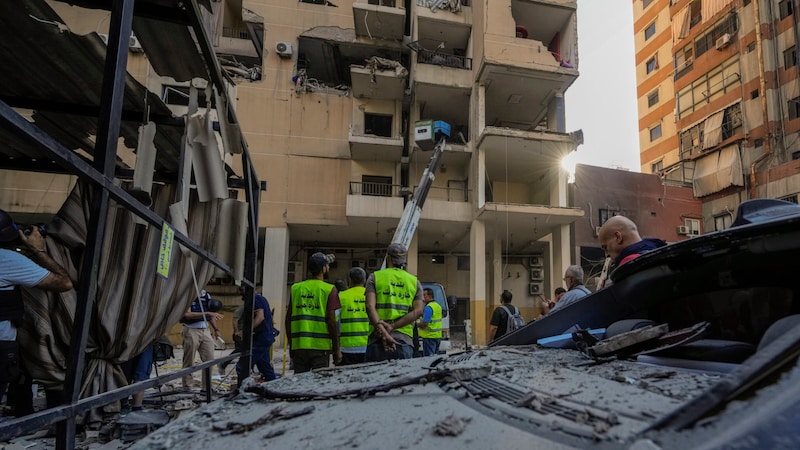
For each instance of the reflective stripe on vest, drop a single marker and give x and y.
(434, 329)
(354, 324)
(309, 305)
(395, 290)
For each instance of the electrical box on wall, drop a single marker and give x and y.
(535, 288)
(535, 261)
(537, 274)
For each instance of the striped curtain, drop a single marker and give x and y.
(133, 306)
(709, 8)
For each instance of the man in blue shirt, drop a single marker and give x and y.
(263, 338)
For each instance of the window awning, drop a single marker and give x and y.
(717, 171)
(680, 24)
(712, 7)
(712, 129)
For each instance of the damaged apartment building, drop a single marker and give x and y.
(331, 126)
(719, 100)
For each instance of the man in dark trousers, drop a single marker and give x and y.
(499, 322)
(32, 267)
(311, 325)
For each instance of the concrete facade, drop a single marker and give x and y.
(331, 130)
(718, 99)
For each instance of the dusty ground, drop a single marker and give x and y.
(168, 403)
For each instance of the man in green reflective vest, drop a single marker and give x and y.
(394, 302)
(311, 318)
(354, 325)
(430, 327)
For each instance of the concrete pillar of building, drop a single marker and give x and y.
(562, 259)
(559, 195)
(480, 109)
(556, 116)
(497, 276)
(477, 283)
(276, 261)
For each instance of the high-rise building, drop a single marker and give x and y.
(327, 95)
(719, 99)
(331, 128)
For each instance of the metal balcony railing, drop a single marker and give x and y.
(450, 194)
(374, 189)
(238, 33)
(443, 59)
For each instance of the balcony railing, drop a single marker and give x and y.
(450, 194)
(238, 33)
(375, 189)
(443, 59)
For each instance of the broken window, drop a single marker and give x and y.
(378, 124)
(683, 61)
(179, 95)
(794, 108)
(652, 64)
(657, 167)
(785, 7)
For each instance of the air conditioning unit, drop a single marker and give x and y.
(295, 272)
(535, 261)
(683, 230)
(134, 46)
(537, 274)
(723, 41)
(535, 288)
(283, 49)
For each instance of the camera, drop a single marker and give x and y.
(29, 229)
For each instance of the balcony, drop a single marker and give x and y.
(381, 19)
(380, 79)
(374, 201)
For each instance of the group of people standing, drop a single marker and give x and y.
(620, 240)
(376, 315)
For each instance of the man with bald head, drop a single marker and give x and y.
(620, 239)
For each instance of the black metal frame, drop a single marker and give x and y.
(100, 173)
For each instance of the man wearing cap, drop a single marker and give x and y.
(311, 318)
(195, 335)
(354, 324)
(31, 267)
(394, 302)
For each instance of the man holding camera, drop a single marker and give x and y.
(23, 262)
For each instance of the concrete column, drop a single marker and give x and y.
(477, 283)
(497, 276)
(556, 117)
(562, 251)
(276, 261)
(559, 192)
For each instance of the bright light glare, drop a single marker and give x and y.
(568, 164)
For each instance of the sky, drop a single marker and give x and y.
(602, 101)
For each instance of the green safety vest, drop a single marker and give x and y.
(355, 328)
(309, 305)
(434, 330)
(395, 290)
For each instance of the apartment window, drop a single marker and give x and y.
(751, 47)
(652, 64)
(378, 124)
(655, 132)
(657, 167)
(650, 31)
(375, 185)
(646, 3)
(683, 61)
(790, 57)
(745, 2)
(652, 99)
(785, 8)
(179, 95)
(709, 87)
(692, 226)
(695, 13)
(754, 93)
(722, 222)
(794, 108)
